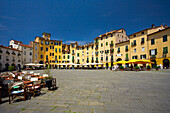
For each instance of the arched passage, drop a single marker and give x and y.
(166, 63)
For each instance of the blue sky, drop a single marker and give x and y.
(77, 20)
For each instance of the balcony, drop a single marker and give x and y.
(153, 56)
(133, 44)
(111, 45)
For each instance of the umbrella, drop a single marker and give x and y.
(133, 61)
(30, 64)
(120, 62)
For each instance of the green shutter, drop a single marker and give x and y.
(149, 52)
(155, 51)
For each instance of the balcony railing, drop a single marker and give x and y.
(152, 56)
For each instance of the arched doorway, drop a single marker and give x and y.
(119, 59)
(6, 66)
(166, 63)
(41, 62)
(154, 64)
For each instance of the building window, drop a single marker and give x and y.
(152, 41)
(143, 56)
(55, 43)
(59, 56)
(30, 53)
(106, 43)
(143, 48)
(106, 58)
(153, 52)
(82, 51)
(35, 47)
(47, 42)
(134, 35)
(106, 37)
(142, 40)
(52, 54)
(55, 49)
(41, 56)
(87, 48)
(51, 42)
(0, 56)
(41, 42)
(101, 58)
(35, 55)
(24, 52)
(134, 50)
(41, 48)
(77, 54)
(59, 49)
(55, 57)
(59, 43)
(68, 57)
(101, 44)
(164, 38)
(47, 49)
(118, 49)
(142, 33)
(134, 57)
(165, 50)
(92, 53)
(126, 49)
(134, 42)
(64, 57)
(111, 35)
(82, 60)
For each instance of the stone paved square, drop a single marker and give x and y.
(100, 91)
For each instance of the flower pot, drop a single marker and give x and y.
(137, 69)
(121, 69)
(148, 69)
(156, 69)
(49, 83)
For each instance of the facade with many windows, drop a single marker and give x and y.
(106, 49)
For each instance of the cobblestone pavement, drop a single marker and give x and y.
(100, 91)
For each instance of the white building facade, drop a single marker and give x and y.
(9, 56)
(27, 51)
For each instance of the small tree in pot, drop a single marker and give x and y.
(137, 68)
(148, 68)
(121, 68)
(49, 78)
(157, 67)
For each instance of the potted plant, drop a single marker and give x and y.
(148, 68)
(157, 67)
(121, 68)
(110, 68)
(137, 68)
(48, 79)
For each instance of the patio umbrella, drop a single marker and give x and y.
(30, 64)
(133, 61)
(121, 62)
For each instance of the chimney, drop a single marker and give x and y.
(153, 25)
(166, 26)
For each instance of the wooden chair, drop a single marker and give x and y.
(18, 92)
(34, 88)
(54, 83)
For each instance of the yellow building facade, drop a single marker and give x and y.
(106, 49)
(159, 47)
